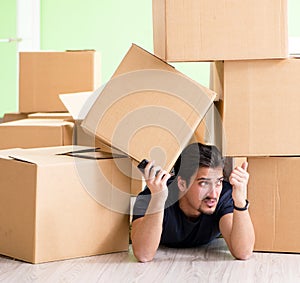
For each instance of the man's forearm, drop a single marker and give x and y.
(146, 231)
(242, 235)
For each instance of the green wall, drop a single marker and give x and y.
(109, 26)
(8, 57)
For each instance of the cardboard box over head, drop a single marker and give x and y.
(260, 107)
(63, 202)
(148, 109)
(209, 30)
(273, 193)
(44, 75)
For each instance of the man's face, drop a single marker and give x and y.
(203, 192)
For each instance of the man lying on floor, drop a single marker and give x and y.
(193, 206)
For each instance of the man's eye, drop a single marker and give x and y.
(203, 184)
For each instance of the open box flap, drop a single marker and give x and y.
(58, 155)
(79, 103)
(5, 153)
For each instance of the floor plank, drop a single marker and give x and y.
(211, 263)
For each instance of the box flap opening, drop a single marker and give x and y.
(92, 153)
(79, 103)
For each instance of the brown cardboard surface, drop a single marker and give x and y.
(260, 107)
(45, 75)
(273, 193)
(13, 116)
(30, 133)
(57, 207)
(210, 129)
(208, 30)
(148, 109)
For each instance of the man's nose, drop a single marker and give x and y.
(213, 192)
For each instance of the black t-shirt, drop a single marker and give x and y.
(178, 231)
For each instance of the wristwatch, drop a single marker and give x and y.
(241, 208)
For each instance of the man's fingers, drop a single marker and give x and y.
(245, 165)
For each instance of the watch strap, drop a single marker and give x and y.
(241, 208)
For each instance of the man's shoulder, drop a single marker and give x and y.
(227, 188)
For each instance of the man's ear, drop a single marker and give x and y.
(181, 184)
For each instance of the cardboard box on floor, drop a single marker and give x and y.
(148, 109)
(44, 75)
(30, 133)
(259, 106)
(209, 30)
(273, 193)
(63, 202)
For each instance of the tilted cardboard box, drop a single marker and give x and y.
(260, 107)
(273, 193)
(30, 133)
(209, 30)
(63, 202)
(148, 109)
(44, 75)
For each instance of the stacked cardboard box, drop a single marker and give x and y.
(63, 202)
(58, 200)
(257, 83)
(42, 77)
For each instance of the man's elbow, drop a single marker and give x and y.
(143, 257)
(243, 255)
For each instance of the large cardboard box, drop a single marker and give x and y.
(148, 109)
(44, 75)
(30, 133)
(62, 202)
(260, 107)
(208, 30)
(273, 193)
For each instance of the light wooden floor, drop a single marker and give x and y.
(211, 263)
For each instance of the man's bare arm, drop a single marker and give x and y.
(237, 228)
(146, 231)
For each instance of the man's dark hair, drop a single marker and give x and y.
(195, 156)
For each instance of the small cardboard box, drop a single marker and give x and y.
(30, 133)
(259, 106)
(273, 193)
(209, 30)
(148, 109)
(63, 202)
(44, 75)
